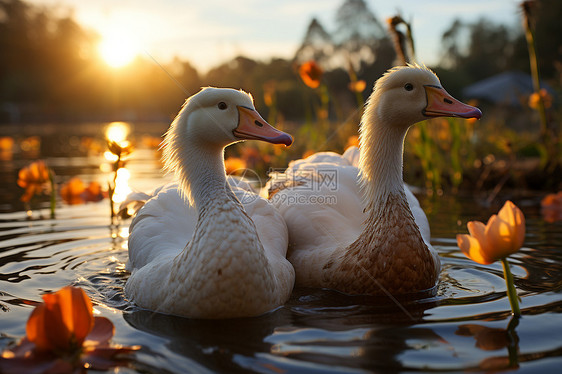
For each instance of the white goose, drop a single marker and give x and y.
(353, 226)
(194, 249)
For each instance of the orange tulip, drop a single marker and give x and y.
(535, 97)
(71, 192)
(64, 336)
(551, 207)
(311, 74)
(501, 236)
(6, 143)
(94, 192)
(34, 178)
(76, 192)
(487, 338)
(62, 322)
(357, 86)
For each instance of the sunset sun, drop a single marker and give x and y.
(118, 50)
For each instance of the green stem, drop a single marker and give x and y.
(53, 194)
(530, 36)
(511, 292)
(513, 346)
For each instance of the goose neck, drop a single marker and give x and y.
(381, 161)
(203, 177)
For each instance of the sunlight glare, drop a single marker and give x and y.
(117, 131)
(109, 157)
(118, 49)
(122, 188)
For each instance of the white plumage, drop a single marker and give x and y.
(353, 226)
(194, 249)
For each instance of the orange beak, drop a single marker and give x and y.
(441, 104)
(251, 126)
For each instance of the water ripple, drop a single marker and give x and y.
(316, 331)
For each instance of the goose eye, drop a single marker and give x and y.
(408, 87)
(222, 105)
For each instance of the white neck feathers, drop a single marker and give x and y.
(199, 168)
(380, 161)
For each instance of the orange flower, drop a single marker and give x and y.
(62, 321)
(357, 86)
(501, 236)
(232, 164)
(72, 190)
(94, 192)
(75, 192)
(6, 148)
(535, 97)
(487, 338)
(352, 141)
(64, 336)
(6, 143)
(551, 207)
(311, 74)
(34, 178)
(269, 88)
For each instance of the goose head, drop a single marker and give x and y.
(222, 116)
(208, 122)
(409, 94)
(402, 97)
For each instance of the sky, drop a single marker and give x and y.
(209, 32)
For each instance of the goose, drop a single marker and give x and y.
(353, 224)
(194, 249)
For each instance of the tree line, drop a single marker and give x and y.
(50, 71)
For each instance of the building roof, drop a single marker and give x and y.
(509, 88)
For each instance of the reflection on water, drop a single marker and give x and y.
(122, 188)
(467, 325)
(493, 339)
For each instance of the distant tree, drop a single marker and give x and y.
(357, 25)
(450, 39)
(478, 50)
(42, 57)
(358, 32)
(317, 44)
(488, 51)
(186, 75)
(236, 73)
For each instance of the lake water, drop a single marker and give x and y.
(466, 326)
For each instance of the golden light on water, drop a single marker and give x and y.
(117, 131)
(109, 157)
(122, 188)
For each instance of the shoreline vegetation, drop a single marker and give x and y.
(50, 60)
